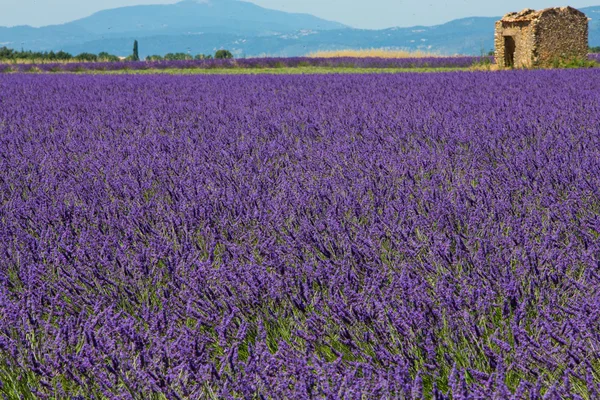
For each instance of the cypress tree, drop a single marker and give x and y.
(136, 55)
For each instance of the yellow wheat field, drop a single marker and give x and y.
(380, 53)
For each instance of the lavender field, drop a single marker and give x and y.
(291, 237)
(253, 63)
(432, 63)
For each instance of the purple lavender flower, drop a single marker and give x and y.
(318, 236)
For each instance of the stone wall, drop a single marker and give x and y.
(561, 34)
(542, 37)
(523, 34)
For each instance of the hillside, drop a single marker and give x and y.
(190, 17)
(183, 21)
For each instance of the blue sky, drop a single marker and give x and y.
(357, 13)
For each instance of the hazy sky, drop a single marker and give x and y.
(356, 13)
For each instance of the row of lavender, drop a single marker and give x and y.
(594, 57)
(371, 62)
(292, 237)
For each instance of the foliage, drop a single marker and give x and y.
(223, 54)
(10, 54)
(574, 63)
(135, 56)
(106, 57)
(178, 57)
(595, 49)
(86, 57)
(484, 62)
(295, 237)
(154, 57)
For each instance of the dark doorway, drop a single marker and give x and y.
(509, 51)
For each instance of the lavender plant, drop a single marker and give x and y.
(273, 62)
(344, 236)
(594, 57)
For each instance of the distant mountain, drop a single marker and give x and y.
(190, 18)
(594, 14)
(196, 16)
(203, 26)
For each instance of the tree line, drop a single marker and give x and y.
(7, 54)
(220, 54)
(11, 54)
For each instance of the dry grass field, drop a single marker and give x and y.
(381, 53)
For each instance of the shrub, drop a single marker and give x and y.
(104, 56)
(223, 54)
(177, 57)
(63, 55)
(5, 52)
(573, 63)
(86, 57)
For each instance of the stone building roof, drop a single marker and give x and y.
(530, 15)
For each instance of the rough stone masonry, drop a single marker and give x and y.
(540, 38)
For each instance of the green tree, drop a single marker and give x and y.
(177, 56)
(62, 55)
(6, 53)
(136, 55)
(86, 57)
(104, 56)
(223, 54)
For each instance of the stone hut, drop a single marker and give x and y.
(538, 38)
